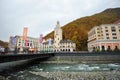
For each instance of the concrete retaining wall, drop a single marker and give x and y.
(88, 59)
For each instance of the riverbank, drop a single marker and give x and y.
(59, 75)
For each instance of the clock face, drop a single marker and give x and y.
(56, 32)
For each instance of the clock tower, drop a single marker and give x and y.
(57, 36)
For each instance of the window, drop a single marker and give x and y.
(68, 49)
(116, 48)
(113, 33)
(113, 29)
(107, 34)
(106, 30)
(107, 37)
(106, 27)
(98, 32)
(103, 48)
(114, 37)
(98, 35)
(28, 44)
(109, 47)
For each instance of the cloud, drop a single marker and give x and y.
(41, 15)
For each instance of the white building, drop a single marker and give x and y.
(47, 46)
(58, 44)
(67, 45)
(104, 37)
(57, 36)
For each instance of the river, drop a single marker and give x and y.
(63, 71)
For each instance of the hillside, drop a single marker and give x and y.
(77, 30)
(3, 44)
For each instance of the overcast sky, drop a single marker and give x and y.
(40, 16)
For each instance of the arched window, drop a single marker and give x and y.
(68, 49)
(109, 48)
(103, 48)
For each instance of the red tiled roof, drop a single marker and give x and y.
(117, 22)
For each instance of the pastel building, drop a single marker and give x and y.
(104, 37)
(21, 45)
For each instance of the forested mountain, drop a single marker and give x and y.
(77, 30)
(3, 44)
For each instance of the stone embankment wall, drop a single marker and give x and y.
(87, 59)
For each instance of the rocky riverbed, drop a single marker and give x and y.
(66, 71)
(2, 78)
(60, 75)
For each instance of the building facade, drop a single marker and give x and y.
(67, 46)
(46, 46)
(50, 45)
(104, 37)
(17, 42)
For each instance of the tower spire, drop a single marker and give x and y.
(58, 24)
